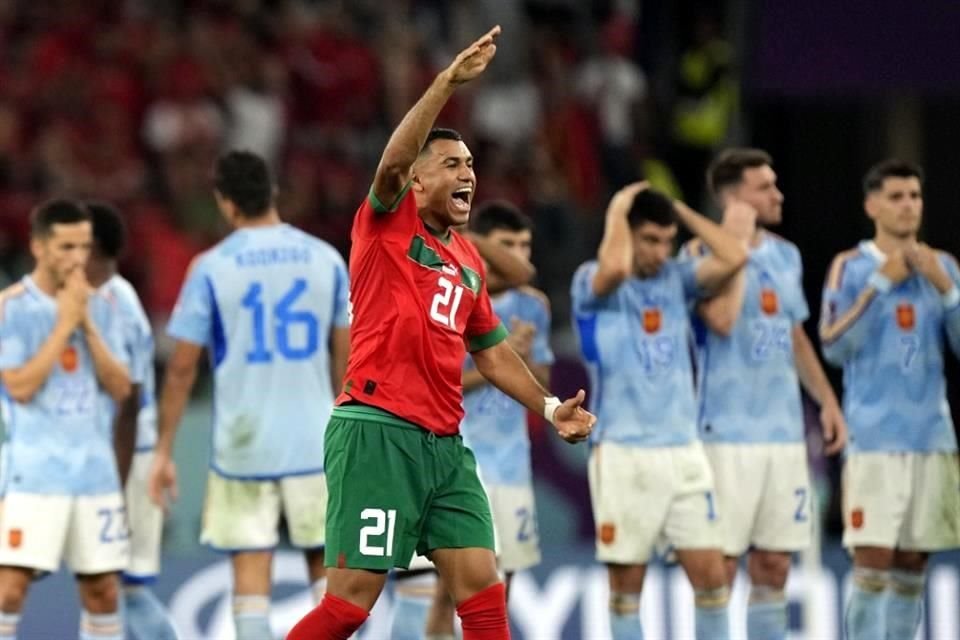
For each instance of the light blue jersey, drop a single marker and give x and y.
(891, 347)
(265, 301)
(495, 425)
(138, 350)
(61, 441)
(748, 386)
(636, 343)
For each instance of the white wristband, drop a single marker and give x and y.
(880, 282)
(951, 298)
(550, 406)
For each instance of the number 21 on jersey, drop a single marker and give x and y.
(446, 303)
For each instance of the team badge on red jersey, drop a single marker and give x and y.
(69, 359)
(769, 303)
(652, 320)
(906, 317)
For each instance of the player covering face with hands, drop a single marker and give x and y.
(419, 301)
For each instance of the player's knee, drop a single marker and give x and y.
(769, 569)
(910, 561)
(12, 595)
(100, 593)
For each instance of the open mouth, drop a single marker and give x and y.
(461, 198)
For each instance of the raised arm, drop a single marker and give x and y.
(505, 269)
(941, 270)
(408, 138)
(615, 255)
(111, 373)
(847, 310)
(728, 253)
(721, 312)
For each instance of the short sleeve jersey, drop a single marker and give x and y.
(636, 344)
(60, 442)
(748, 388)
(495, 425)
(419, 302)
(265, 301)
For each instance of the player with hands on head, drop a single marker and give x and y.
(890, 307)
(649, 477)
(419, 303)
(751, 341)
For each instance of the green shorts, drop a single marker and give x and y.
(395, 488)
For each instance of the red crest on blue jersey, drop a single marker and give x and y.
(652, 320)
(69, 359)
(906, 317)
(769, 303)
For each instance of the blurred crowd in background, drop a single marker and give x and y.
(131, 101)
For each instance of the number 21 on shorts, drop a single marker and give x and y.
(384, 521)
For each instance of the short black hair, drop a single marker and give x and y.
(243, 178)
(651, 206)
(56, 211)
(109, 229)
(890, 168)
(499, 214)
(728, 166)
(440, 133)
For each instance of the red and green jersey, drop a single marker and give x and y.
(419, 302)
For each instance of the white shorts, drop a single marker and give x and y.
(89, 533)
(244, 515)
(515, 526)
(763, 492)
(642, 496)
(907, 501)
(146, 522)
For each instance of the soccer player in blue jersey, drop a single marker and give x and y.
(135, 429)
(890, 306)
(649, 477)
(60, 346)
(754, 355)
(269, 303)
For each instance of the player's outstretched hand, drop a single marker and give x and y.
(162, 484)
(572, 421)
(834, 429)
(472, 61)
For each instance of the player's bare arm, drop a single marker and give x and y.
(925, 261)
(505, 269)
(125, 432)
(177, 383)
(615, 255)
(520, 340)
(396, 163)
(842, 332)
(727, 252)
(505, 370)
(23, 382)
(339, 354)
(815, 382)
(111, 373)
(721, 312)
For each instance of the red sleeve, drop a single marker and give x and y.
(374, 218)
(484, 328)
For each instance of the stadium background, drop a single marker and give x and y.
(130, 101)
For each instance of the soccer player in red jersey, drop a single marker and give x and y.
(399, 478)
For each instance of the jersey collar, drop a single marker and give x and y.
(870, 248)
